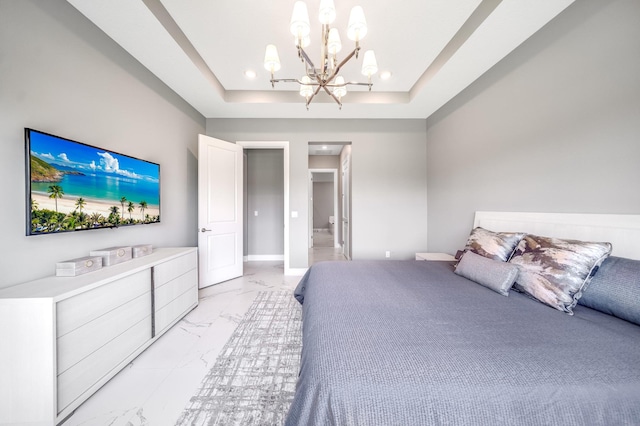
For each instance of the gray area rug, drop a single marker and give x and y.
(254, 378)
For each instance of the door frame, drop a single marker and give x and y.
(346, 206)
(336, 242)
(284, 146)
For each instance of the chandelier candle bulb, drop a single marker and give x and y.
(327, 12)
(306, 41)
(333, 43)
(357, 28)
(305, 89)
(340, 90)
(300, 26)
(271, 59)
(369, 64)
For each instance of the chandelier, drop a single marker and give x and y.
(327, 75)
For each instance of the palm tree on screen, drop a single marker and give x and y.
(143, 206)
(96, 218)
(80, 203)
(122, 201)
(55, 192)
(114, 216)
(130, 208)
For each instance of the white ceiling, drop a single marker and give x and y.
(433, 48)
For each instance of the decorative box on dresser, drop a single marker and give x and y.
(62, 338)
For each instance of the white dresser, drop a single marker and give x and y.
(62, 338)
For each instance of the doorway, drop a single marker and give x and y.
(264, 205)
(284, 146)
(323, 208)
(327, 157)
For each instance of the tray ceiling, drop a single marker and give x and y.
(433, 48)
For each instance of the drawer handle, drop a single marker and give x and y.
(120, 252)
(88, 263)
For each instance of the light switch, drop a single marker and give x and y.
(255, 212)
(294, 214)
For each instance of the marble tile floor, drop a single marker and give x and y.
(323, 248)
(154, 388)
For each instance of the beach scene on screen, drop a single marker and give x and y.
(76, 186)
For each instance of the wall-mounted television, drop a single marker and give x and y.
(72, 186)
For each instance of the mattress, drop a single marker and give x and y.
(410, 342)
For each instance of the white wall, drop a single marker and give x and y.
(62, 75)
(389, 186)
(554, 127)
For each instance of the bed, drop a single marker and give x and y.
(416, 343)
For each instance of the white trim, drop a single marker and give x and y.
(264, 257)
(295, 271)
(622, 231)
(284, 145)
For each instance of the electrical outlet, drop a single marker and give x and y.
(387, 254)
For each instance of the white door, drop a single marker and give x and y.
(220, 225)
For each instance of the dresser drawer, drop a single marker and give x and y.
(175, 309)
(79, 310)
(175, 288)
(171, 269)
(88, 338)
(82, 376)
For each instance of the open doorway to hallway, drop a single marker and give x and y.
(329, 201)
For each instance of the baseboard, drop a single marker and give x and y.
(264, 257)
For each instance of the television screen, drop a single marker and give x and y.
(72, 186)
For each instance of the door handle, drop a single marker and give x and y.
(205, 230)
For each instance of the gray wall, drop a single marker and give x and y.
(322, 204)
(389, 179)
(324, 161)
(62, 75)
(265, 194)
(554, 127)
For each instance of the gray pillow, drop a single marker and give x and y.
(493, 245)
(494, 274)
(615, 289)
(554, 271)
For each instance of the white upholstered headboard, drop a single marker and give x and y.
(622, 231)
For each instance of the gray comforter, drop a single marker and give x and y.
(411, 343)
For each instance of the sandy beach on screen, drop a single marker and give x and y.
(67, 204)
